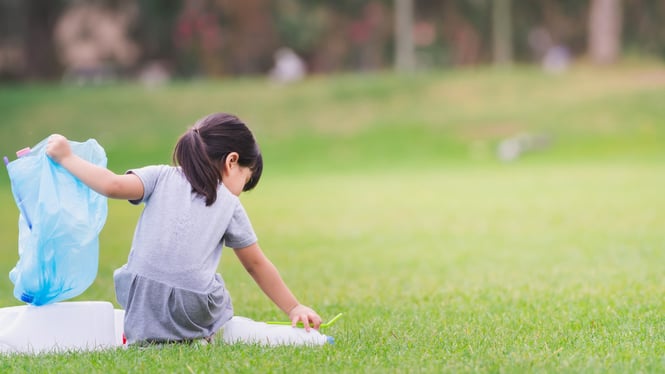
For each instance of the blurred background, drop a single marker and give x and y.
(93, 41)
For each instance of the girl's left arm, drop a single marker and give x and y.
(267, 276)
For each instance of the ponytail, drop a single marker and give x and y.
(191, 155)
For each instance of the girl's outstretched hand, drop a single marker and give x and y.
(306, 315)
(58, 148)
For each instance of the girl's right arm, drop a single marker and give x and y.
(267, 277)
(100, 179)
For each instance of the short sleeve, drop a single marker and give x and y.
(149, 176)
(239, 233)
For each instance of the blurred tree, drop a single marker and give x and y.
(249, 36)
(502, 32)
(300, 25)
(26, 45)
(226, 37)
(93, 41)
(155, 28)
(41, 59)
(12, 31)
(197, 38)
(462, 32)
(605, 31)
(543, 25)
(369, 34)
(644, 31)
(405, 59)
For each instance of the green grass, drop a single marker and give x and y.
(383, 199)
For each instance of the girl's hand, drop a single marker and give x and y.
(58, 148)
(304, 314)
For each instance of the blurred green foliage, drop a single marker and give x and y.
(229, 38)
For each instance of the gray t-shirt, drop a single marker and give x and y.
(174, 258)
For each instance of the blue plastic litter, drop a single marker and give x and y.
(59, 224)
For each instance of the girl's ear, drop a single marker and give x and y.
(231, 160)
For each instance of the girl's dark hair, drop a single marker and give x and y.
(202, 150)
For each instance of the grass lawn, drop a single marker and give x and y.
(383, 199)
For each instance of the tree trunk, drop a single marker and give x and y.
(605, 31)
(405, 59)
(502, 32)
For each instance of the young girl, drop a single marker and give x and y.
(169, 287)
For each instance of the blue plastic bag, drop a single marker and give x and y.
(59, 224)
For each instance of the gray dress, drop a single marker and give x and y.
(170, 288)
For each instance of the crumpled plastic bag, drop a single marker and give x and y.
(59, 224)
